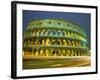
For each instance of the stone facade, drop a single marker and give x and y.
(55, 37)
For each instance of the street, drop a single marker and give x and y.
(56, 63)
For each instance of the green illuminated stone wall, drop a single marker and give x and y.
(55, 37)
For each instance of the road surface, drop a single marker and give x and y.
(56, 63)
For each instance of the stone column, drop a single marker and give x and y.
(37, 53)
(43, 42)
(47, 53)
(73, 43)
(69, 42)
(47, 42)
(41, 52)
(64, 41)
(72, 53)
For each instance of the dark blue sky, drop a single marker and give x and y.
(82, 19)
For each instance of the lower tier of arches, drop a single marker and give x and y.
(57, 52)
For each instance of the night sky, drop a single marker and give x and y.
(82, 19)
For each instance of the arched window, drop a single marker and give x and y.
(53, 33)
(40, 33)
(40, 41)
(58, 42)
(53, 42)
(58, 33)
(77, 54)
(54, 53)
(63, 33)
(49, 32)
(44, 33)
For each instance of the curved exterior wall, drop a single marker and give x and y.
(55, 37)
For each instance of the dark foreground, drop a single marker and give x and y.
(55, 63)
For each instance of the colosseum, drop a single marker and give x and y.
(54, 38)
